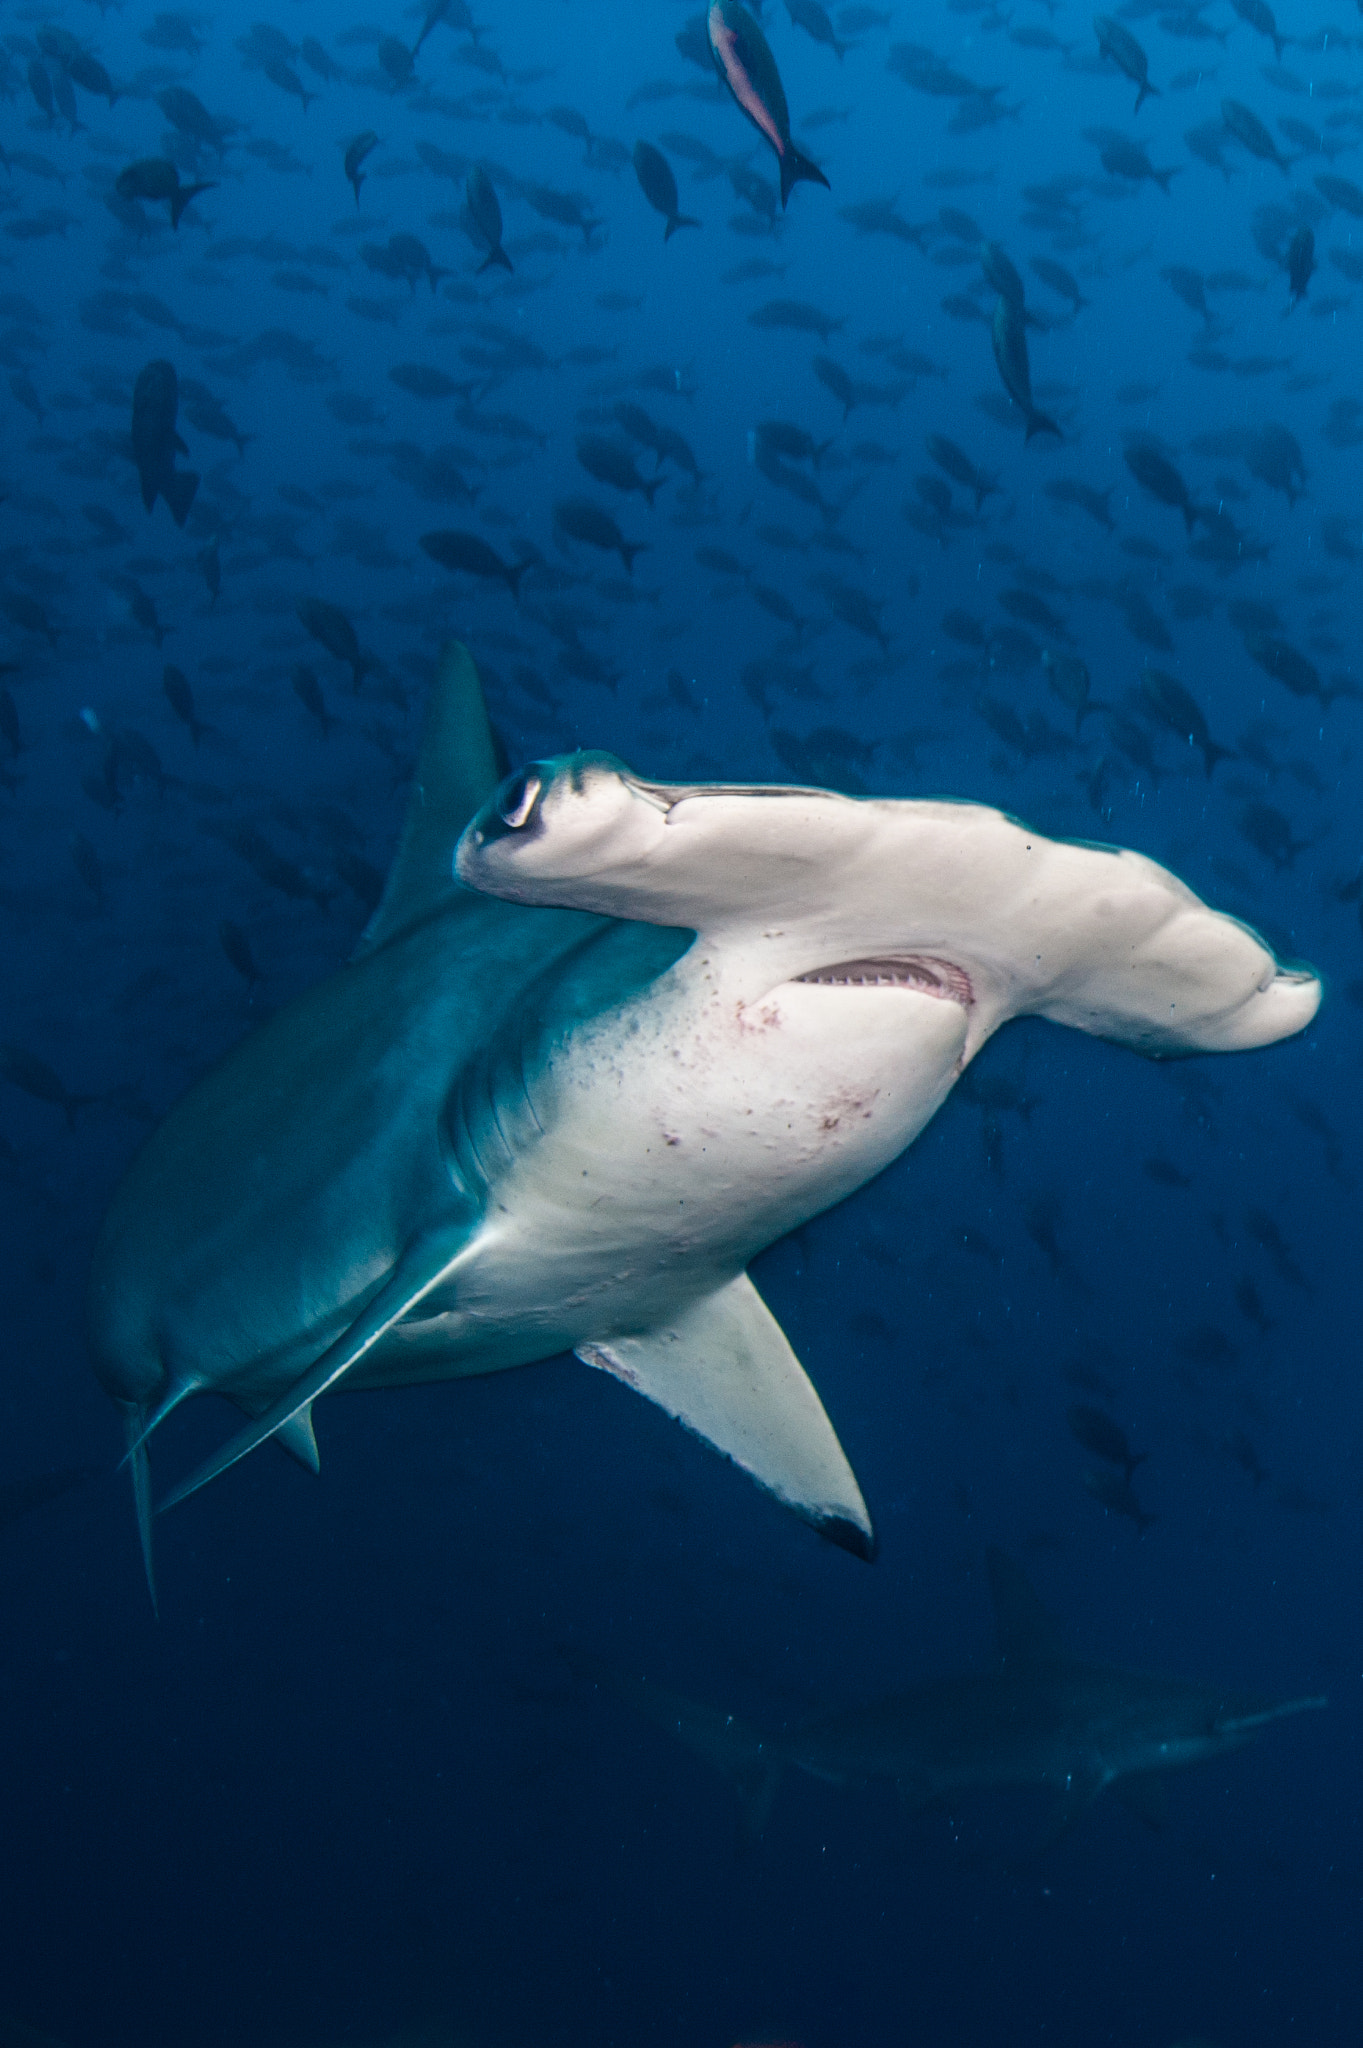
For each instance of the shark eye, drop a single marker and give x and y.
(520, 800)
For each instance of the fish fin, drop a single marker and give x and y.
(1142, 1794)
(135, 1425)
(1026, 1633)
(679, 220)
(297, 1438)
(795, 167)
(417, 1273)
(456, 771)
(178, 492)
(723, 1368)
(1041, 423)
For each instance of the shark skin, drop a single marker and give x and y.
(602, 1042)
(1040, 1719)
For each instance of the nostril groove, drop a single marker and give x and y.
(520, 801)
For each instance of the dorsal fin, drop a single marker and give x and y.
(1026, 1632)
(456, 772)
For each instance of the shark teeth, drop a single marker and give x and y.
(930, 976)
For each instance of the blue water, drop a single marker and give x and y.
(348, 1787)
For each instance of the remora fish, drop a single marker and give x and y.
(745, 63)
(560, 1107)
(1039, 1718)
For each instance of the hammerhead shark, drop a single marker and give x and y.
(1038, 1718)
(603, 1041)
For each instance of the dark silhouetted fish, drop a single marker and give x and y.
(1060, 280)
(156, 402)
(579, 519)
(1008, 331)
(308, 691)
(1121, 46)
(355, 155)
(1269, 832)
(237, 947)
(1249, 130)
(153, 178)
(330, 627)
(1155, 474)
(1301, 264)
(469, 554)
(659, 188)
(485, 212)
(1115, 1493)
(810, 16)
(1257, 14)
(612, 463)
(959, 467)
(1178, 710)
(1097, 1432)
(180, 698)
(34, 1077)
(745, 63)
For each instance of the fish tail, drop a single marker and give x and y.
(514, 573)
(795, 167)
(134, 1418)
(178, 492)
(679, 220)
(1042, 423)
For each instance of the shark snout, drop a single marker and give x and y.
(556, 823)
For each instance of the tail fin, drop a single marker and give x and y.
(795, 166)
(1162, 177)
(1146, 92)
(1042, 423)
(628, 550)
(515, 571)
(1212, 753)
(178, 491)
(134, 1422)
(180, 198)
(652, 487)
(498, 256)
(679, 220)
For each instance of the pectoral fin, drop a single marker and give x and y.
(418, 1272)
(722, 1367)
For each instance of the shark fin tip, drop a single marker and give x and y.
(848, 1535)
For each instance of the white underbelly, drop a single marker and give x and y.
(684, 1148)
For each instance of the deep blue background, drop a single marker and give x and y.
(347, 1788)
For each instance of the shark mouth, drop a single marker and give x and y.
(920, 971)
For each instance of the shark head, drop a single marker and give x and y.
(790, 884)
